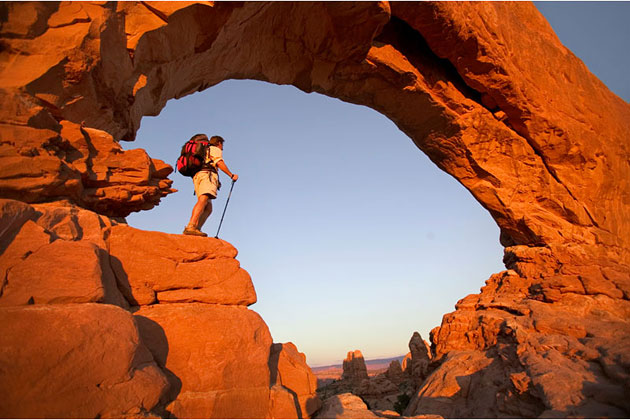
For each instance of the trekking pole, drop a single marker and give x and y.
(223, 215)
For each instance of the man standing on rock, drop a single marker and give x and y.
(207, 184)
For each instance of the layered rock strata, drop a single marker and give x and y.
(486, 90)
(117, 328)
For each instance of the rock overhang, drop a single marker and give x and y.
(455, 86)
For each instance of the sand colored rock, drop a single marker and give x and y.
(345, 406)
(177, 269)
(289, 370)
(92, 351)
(215, 357)
(486, 90)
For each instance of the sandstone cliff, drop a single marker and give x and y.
(486, 90)
(103, 320)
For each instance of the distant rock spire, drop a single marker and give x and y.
(354, 368)
(394, 372)
(416, 363)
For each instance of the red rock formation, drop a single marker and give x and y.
(75, 360)
(175, 269)
(486, 90)
(290, 372)
(215, 357)
(191, 348)
(354, 369)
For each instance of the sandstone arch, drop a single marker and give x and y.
(545, 152)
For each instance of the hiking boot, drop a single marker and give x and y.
(194, 231)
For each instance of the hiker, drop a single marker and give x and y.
(207, 183)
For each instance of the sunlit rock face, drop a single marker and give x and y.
(103, 320)
(293, 383)
(486, 90)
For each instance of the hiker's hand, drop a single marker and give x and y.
(234, 177)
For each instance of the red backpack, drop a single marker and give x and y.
(193, 155)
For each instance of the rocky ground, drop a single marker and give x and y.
(385, 393)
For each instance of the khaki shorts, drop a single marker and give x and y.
(206, 182)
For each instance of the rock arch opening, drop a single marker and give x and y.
(336, 214)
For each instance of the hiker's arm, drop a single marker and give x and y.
(221, 165)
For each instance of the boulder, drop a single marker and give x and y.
(26, 238)
(378, 392)
(59, 272)
(72, 223)
(345, 406)
(289, 370)
(215, 357)
(13, 214)
(75, 361)
(177, 269)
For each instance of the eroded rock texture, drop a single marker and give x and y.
(486, 90)
(99, 319)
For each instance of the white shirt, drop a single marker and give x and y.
(214, 155)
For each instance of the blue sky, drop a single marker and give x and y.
(353, 238)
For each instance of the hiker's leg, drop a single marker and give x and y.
(206, 213)
(198, 210)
